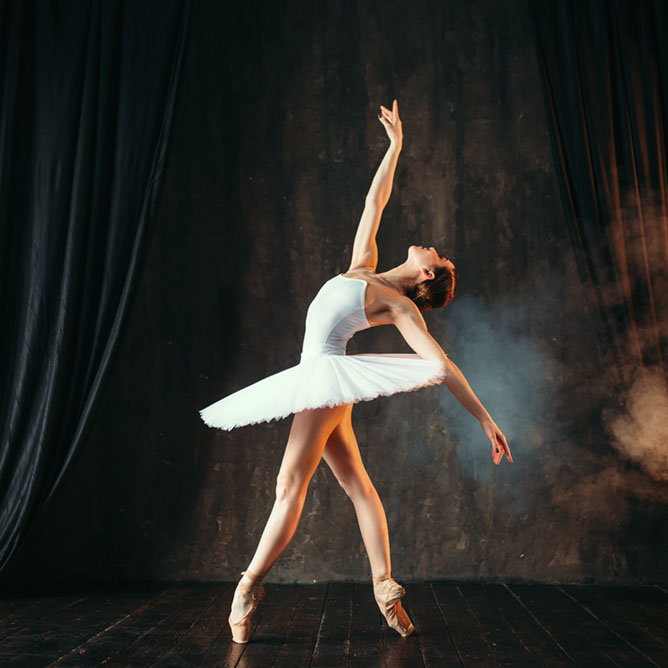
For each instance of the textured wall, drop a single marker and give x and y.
(275, 144)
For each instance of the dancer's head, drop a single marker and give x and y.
(436, 286)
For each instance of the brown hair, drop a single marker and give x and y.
(436, 293)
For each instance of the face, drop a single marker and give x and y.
(429, 257)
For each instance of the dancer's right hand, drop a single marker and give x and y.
(392, 122)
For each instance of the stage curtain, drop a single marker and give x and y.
(87, 99)
(604, 72)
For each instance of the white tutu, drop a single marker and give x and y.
(322, 380)
(326, 376)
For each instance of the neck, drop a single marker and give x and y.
(402, 277)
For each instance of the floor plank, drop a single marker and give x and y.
(275, 613)
(302, 633)
(366, 640)
(332, 645)
(627, 622)
(646, 605)
(436, 645)
(495, 610)
(470, 638)
(158, 641)
(338, 624)
(209, 637)
(400, 651)
(583, 638)
(39, 610)
(527, 629)
(103, 646)
(64, 629)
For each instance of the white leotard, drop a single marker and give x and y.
(334, 315)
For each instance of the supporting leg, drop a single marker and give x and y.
(306, 442)
(308, 435)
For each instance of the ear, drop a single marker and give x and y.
(427, 274)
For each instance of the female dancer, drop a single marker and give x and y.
(322, 388)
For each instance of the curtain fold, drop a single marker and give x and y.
(87, 99)
(604, 74)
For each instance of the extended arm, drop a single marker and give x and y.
(410, 323)
(365, 250)
(381, 186)
(458, 385)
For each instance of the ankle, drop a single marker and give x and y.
(249, 578)
(381, 577)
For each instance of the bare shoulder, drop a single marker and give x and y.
(383, 304)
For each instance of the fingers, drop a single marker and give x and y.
(392, 116)
(502, 441)
(510, 458)
(500, 448)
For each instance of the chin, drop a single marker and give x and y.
(418, 251)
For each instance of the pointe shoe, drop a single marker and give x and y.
(388, 594)
(253, 593)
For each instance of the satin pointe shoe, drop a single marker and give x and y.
(251, 594)
(388, 594)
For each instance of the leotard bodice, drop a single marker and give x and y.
(334, 315)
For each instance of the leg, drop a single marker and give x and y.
(343, 456)
(308, 435)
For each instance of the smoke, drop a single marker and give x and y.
(498, 351)
(641, 432)
(584, 423)
(532, 361)
(639, 428)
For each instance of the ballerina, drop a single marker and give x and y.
(320, 391)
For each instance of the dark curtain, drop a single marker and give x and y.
(88, 91)
(604, 70)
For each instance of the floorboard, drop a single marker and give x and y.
(366, 641)
(437, 647)
(646, 633)
(457, 625)
(332, 646)
(471, 639)
(583, 638)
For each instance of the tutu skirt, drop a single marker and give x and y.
(323, 380)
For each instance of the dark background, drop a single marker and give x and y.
(275, 142)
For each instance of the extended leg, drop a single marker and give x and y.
(308, 435)
(343, 457)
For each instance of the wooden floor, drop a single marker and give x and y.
(339, 625)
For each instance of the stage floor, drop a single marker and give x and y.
(338, 624)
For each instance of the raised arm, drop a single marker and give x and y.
(410, 323)
(365, 250)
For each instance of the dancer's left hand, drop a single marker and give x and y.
(498, 440)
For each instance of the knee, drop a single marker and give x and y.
(290, 485)
(356, 486)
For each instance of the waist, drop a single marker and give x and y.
(315, 349)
